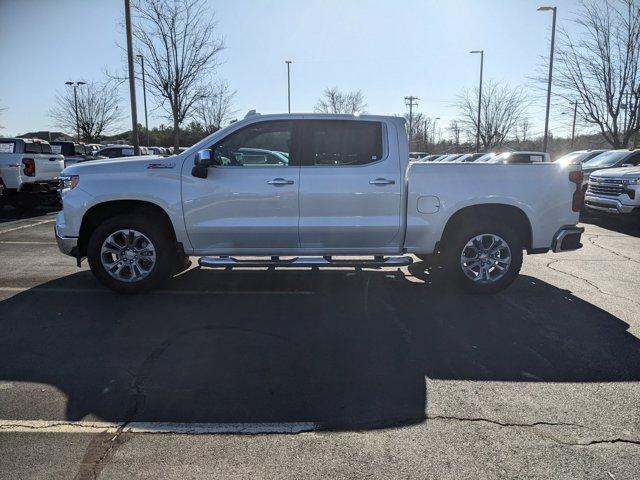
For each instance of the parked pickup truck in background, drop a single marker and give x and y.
(615, 191)
(316, 187)
(29, 172)
(74, 152)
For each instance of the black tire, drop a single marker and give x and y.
(156, 232)
(454, 245)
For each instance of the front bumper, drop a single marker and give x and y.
(67, 245)
(608, 205)
(567, 239)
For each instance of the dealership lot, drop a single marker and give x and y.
(324, 374)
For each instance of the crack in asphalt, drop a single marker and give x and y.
(503, 424)
(592, 241)
(588, 282)
(532, 425)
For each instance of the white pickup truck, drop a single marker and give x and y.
(322, 189)
(614, 191)
(29, 172)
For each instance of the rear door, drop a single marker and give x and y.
(350, 187)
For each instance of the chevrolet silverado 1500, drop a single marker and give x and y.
(321, 188)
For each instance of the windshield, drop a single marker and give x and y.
(606, 159)
(569, 157)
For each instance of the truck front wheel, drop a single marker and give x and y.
(130, 253)
(483, 258)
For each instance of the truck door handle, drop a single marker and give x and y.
(382, 181)
(279, 182)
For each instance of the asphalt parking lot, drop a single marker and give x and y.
(324, 374)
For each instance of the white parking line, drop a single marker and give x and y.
(63, 426)
(157, 292)
(27, 243)
(26, 226)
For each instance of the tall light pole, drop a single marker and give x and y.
(144, 94)
(553, 41)
(435, 120)
(410, 102)
(132, 79)
(481, 52)
(75, 86)
(288, 62)
(573, 129)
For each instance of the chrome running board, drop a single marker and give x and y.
(328, 261)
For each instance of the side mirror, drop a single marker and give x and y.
(201, 164)
(627, 165)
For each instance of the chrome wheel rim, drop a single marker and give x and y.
(128, 255)
(485, 258)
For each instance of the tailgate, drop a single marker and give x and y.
(48, 167)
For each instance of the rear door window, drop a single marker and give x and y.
(341, 142)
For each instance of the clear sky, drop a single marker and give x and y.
(388, 49)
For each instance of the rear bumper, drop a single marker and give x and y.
(567, 239)
(608, 205)
(41, 186)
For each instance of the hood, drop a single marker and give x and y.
(124, 164)
(622, 172)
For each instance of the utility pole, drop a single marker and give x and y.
(573, 129)
(144, 94)
(481, 52)
(553, 41)
(288, 62)
(75, 86)
(132, 79)
(411, 102)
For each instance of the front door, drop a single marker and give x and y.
(249, 200)
(350, 187)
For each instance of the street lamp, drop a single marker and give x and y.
(75, 86)
(144, 95)
(435, 120)
(481, 52)
(553, 40)
(288, 62)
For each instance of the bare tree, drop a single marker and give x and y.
(97, 110)
(599, 64)
(176, 38)
(501, 109)
(214, 108)
(335, 101)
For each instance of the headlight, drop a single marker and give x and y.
(631, 181)
(68, 182)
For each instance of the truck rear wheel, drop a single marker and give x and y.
(484, 257)
(131, 253)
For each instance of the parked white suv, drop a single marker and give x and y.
(315, 187)
(615, 191)
(29, 172)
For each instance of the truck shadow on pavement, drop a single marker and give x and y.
(342, 349)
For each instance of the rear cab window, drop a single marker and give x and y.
(7, 146)
(341, 142)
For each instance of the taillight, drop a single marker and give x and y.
(29, 167)
(578, 195)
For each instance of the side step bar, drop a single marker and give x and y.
(328, 261)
